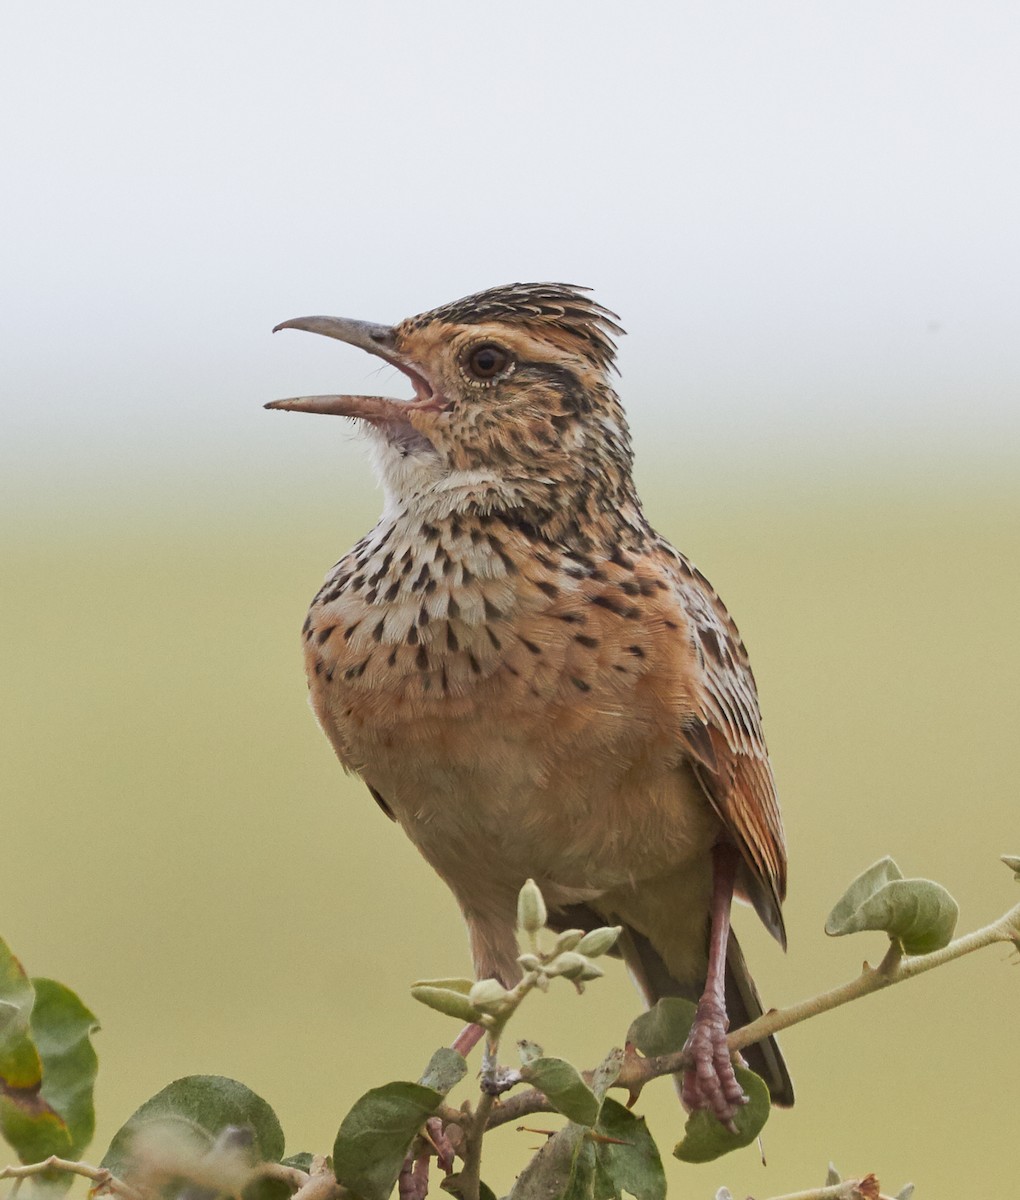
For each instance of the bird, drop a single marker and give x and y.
(531, 681)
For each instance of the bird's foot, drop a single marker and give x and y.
(709, 1082)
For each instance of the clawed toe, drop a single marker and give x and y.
(710, 1082)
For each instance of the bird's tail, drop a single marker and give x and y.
(743, 1004)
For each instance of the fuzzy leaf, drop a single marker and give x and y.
(19, 1060)
(445, 1070)
(456, 984)
(451, 1184)
(630, 1162)
(918, 913)
(832, 1176)
(447, 1001)
(376, 1134)
(1013, 862)
(61, 1028)
(564, 1169)
(905, 1192)
(302, 1161)
(705, 1138)
(663, 1029)
(193, 1111)
(617, 1158)
(564, 1088)
(604, 1075)
(27, 1121)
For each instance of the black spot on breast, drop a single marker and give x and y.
(531, 646)
(453, 608)
(350, 630)
(492, 613)
(319, 664)
(412, 636)
(636, 651)
(584, 640)
(572, 618)
(451, 639)
(323, 635)
(621, 560)
(549, 588)
(497, 644)
(377, 632)
(423, 615)
(370, 595)
(474, 664)
(421, 660)
(419, 581)
(392, 591)
(580, 684)
(392, 660)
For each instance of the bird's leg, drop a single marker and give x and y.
(468, 1038)
(709, 1082)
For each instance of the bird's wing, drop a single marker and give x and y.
(727, 745)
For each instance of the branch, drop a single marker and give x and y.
(894, 968)
(100, 1176)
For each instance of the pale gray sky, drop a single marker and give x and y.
(807, 215)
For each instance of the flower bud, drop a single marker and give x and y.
(598, 941)
(531, 912)
(489, 996)
(568, 940)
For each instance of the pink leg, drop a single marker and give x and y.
(467, 1039)
(709, 1082)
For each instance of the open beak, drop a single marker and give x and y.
(379, 340)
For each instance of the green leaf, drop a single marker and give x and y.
(19, 1060)
(615, 1158)
(705, 1138)
(564, 1169)
(918, 913)
(457, 984)
(451, 1184)
(564, 1088)
(27, 1121)
(61, 1028)
(301, 1161)
(376, 1134)
(191, 1112)
(663, 1029)
(832, 1176)
(445, 1070)
(447, 1001)
(604, 1075)
(1013, 862)
(630, 1162)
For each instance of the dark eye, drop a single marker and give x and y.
(487, 361)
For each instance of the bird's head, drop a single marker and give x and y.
(513, 409)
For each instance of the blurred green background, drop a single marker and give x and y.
(182, 848)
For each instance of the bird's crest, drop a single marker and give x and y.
(560, 305)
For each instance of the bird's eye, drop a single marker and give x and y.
(487, 361)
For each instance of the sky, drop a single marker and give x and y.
(805, 215)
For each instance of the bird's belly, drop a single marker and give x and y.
(581, 794)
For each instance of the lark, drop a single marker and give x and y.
(531, 681)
